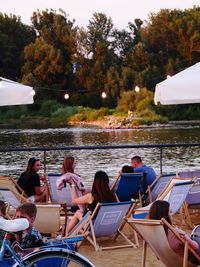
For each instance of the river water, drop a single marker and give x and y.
(90, 161)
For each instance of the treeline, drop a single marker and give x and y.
(57, 57)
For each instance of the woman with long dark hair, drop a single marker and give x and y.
(161, 209)
(29, 181)
(100, 193)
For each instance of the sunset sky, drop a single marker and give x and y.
(121, 11)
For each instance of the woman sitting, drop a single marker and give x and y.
(100, 193)
(29, 181)
(161, 209)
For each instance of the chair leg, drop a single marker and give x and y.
(144, 254)
(185, 256)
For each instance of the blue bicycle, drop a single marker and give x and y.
(53, 254)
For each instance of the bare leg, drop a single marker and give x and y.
(40, 198)
(74, 220)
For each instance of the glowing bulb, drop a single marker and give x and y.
(33, 92)
(66, 96)
(137, 89)
(168, 76)
(103, 95)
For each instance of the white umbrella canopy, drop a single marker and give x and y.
(182, 88)
(13, 93)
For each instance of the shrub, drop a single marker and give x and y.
(64, 113)
(88, 114)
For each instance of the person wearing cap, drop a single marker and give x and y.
(29, 181)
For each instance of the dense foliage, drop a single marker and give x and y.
(56, 57)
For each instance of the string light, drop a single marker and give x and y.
(33, 92)
(168, 76)
(137, 89)
(103, 95)
(66, 96)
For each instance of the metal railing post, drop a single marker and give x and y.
(161, 157)
(44, 161)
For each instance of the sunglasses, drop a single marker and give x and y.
(33, 160)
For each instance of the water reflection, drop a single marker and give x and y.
(90, 161)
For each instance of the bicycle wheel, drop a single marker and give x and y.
(55, 258)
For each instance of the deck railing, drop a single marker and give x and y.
(161, 147)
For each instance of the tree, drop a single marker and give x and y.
(14, 36)
(49, 60)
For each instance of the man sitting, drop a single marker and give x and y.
(139, 166)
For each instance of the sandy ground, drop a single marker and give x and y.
(126, 257)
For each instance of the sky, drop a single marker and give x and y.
(121, 11)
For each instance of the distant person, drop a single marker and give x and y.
(29, 181)
(161, 209)
(100, 193)
(127, 169)
(139, 166)
(30, 237)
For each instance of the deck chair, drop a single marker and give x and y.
(129, 186)
(14, 199)
(193, 198)
(175, 193)
(59, 196)
(106, 221)
(48, 219)
(158, 186)
(187, 174)
(9, 182)
(153, 235)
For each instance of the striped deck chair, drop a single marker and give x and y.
(153, 235)
(130, 186)
(108, 220)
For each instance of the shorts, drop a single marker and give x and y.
(32, 199)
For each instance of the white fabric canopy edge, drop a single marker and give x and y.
(182, 88)
(14, 93)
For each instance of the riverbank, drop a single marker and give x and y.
(113, 122)
(108, 122)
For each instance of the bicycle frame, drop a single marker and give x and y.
(6, 245)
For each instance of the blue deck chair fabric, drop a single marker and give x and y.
(159, 186)
(178, 195)
(108, 219)
(189, 174)
(129, 186)
(193, 197)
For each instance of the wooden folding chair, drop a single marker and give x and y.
(158, 186)
(9, 182)
(108, 220)
(153, 235)
(48, 219)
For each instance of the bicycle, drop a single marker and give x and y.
(52, 254)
